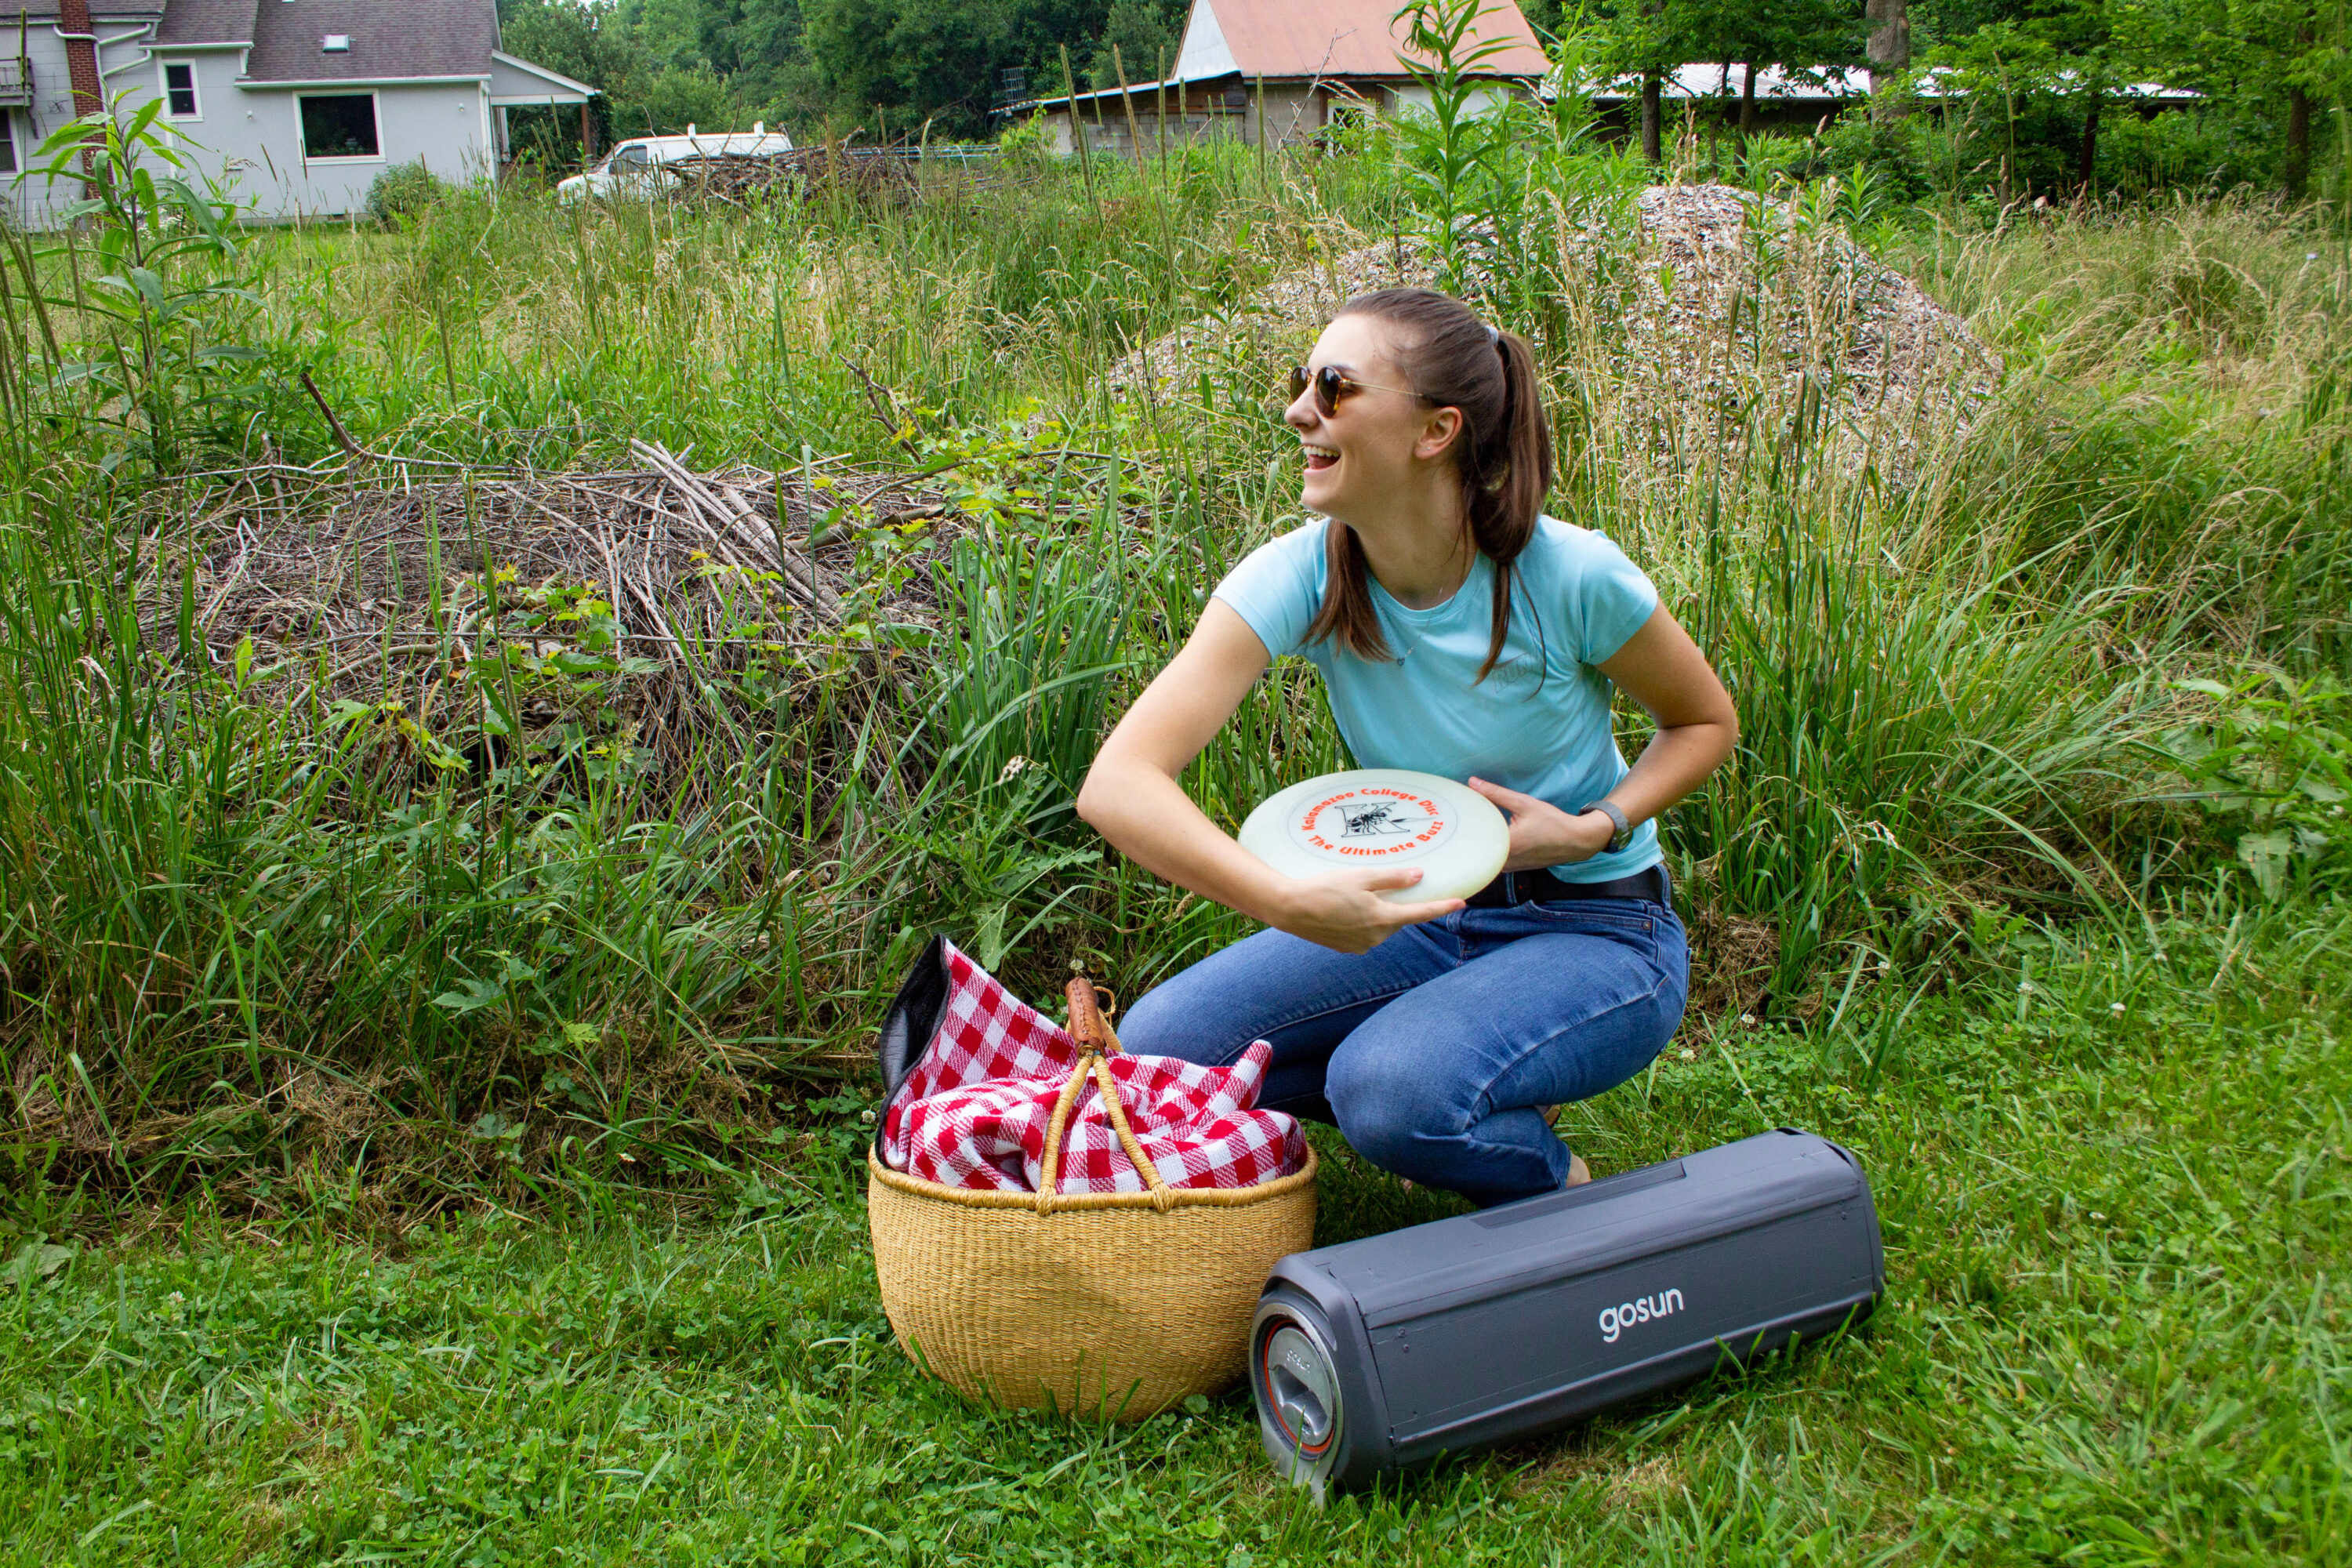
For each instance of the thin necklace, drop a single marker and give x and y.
(1392, 633)
(1386, 629)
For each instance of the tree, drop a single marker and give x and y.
(1650, 37)
(583, 42)
(1147, 32)
(911, 62)
(1889, 51)
(1794, 35)
(2277, 57)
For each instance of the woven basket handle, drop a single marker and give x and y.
(1096, 1044)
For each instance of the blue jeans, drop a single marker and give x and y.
(1431, 1051)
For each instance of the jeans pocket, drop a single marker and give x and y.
(1633, 915)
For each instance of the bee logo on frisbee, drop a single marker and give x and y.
(1370, 823)
(1382, 819)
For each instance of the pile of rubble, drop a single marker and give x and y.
(1717, 322)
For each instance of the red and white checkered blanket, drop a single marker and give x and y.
(973, 1110)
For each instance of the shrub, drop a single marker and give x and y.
(2194, 150)
(1025, 141)
(2273, 765)
(403, 193)
(1895, 153)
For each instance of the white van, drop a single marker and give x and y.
(629, 169)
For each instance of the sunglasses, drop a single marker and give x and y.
(1333, 387)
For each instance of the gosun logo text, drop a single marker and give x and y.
(1615, 1320)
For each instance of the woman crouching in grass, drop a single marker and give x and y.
(1458, 632)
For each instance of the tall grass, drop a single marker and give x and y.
(242, 932)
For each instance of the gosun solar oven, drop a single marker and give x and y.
(1464, 1333)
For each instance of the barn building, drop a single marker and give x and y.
(1254, 71)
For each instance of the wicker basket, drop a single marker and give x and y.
(1113, 1303)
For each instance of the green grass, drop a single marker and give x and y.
(2115, 1333)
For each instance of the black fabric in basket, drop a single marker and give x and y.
(913, 1020)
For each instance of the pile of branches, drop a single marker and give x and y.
(393, 582)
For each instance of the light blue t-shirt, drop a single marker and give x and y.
(1539, 721)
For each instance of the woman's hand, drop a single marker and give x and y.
(1342, 910)
(1542, 834)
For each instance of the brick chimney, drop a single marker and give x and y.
(82, 55)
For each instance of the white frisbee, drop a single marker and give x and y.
(1383, 818)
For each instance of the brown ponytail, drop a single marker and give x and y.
(1502, 454)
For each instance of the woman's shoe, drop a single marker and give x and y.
(1578, 1172)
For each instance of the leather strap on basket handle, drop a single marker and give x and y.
(1096, 1043)
(1088, 1025)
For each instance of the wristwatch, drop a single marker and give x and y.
(1624, 829)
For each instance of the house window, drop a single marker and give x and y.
(7, 141)
(342, 126)
(180, 91)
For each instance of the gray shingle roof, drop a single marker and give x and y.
(206, 22)
(390, 39)
(100, 11)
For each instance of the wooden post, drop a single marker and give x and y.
(1265, 170)
(587, 136)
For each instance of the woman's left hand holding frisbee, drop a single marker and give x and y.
(1542, 834)
(1344, 911)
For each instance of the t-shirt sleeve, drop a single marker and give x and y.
(1274, 589)
(1613, 598)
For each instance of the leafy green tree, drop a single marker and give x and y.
(669, 101)
(668, 33)
(905, 63)
(1637, 38)
(580, 41)
(1147, 33)
(1997, 75)
(2049, 58)
(2281, 59)
(755, 45)
(1650, 37)
(1794, 35)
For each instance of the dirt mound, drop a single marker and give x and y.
(1714, 318)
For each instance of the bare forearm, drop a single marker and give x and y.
(1674, 762)
(1663, 669)
(1147, 817)
(1677, 761)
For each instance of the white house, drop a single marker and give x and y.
(298, 105)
